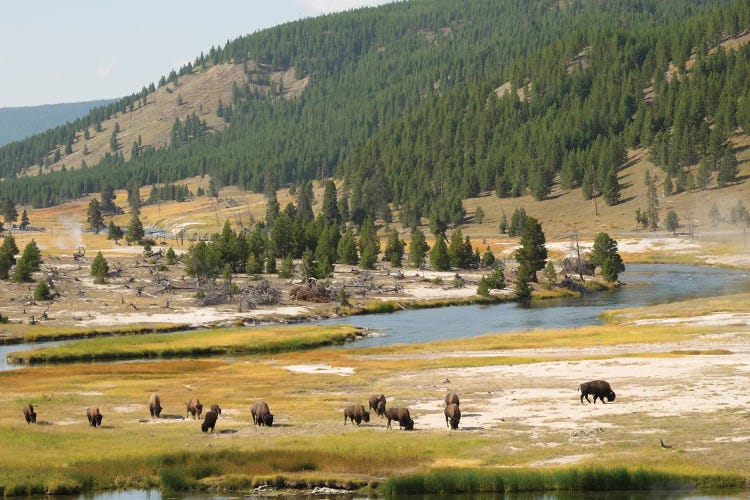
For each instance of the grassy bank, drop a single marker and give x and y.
(197, 343)
(17, 333)
(579, 479)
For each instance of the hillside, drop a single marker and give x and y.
(19, 122)
(419, 108)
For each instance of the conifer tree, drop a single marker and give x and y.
(439, 257)
(99, 268)
(418, 248)
(347, 248)
(114, 232)
(94, 216)
(330, 209)
(605, 255)
(533, 253)
(10, 214)
(41, 291)
(8, 251)
(369, 246)
(394, 249)
(135, 231)
(30, 262)
(24, 220)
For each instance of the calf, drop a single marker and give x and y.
(29, 414)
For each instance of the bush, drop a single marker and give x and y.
(41, 292)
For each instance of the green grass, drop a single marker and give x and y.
(191, 344)
(451, 481)
(17, 333)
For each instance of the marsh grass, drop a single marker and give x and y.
(16, 333)
(737, 303)
(452, 481)
(191, 344)
(389, 306)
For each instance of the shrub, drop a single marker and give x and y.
(41, 292)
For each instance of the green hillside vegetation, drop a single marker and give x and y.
(402, 105)
(19, 122)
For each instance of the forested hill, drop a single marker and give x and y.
(19, 122)
(418, 104)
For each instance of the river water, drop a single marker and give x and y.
(645, 284)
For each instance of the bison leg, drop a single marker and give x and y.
(388, 426)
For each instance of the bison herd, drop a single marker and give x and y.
(354, 413)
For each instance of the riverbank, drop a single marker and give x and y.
(520, 407)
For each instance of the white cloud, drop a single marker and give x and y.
(326, 6)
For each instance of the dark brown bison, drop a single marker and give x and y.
(261, 414)
(377, 403)
(95, 418)
(215, 408)
(29, 414)
(401, 415)
(599, 388)
(154, 405)
(452, 415)
(209, 421)
(451, 398)
(194, 408)
(356, 413)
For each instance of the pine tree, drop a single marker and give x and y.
(330, 209)
(668, 188)
(517, 222)
(114, 232)
(135, 231)
(727, 169)
(369, 246)
(170, 257)
(714, 214)
(503, 224)
(8, 251)
(533, 253)
(418, 248)
(30, 262)
(671, 221)
(394, 249)
(439, 257)
(24, 220)
(99, 268)
(653, 201)
(605, 255)
(488, 259)
(94, 216)
(479, 215)
(550, 275)
(611, 189)
(10, 214)
(347, 248)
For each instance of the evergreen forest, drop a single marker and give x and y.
(417, 105)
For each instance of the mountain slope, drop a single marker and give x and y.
(19, 122)
(401, 103)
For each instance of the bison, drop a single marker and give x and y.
(451, 398)
(377, 403)
(215, 408)
(95, 418)
(194, 408)
(401, 415)
(154, 405)
(452, 415)
(356, 413)
(209, 421)
(599, 388)
(261, 414)
(29, 414)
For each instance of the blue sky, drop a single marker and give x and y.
(78, 50)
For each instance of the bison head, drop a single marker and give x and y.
(409, 425)
(268, 419)
(380, 410)
(610, 396)
(204, 426)
(98, 419)
(366, 416)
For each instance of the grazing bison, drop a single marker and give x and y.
(29, 414)
(377, 403)
(154, 405)
(209, 421)
(451, 398)
(599, 388)
(356, 413)
(401, 415)
(194, 408)
(95, 418)
(452, 415)
(261, 414)
(215, 408)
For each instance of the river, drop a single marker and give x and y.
(644, 284)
